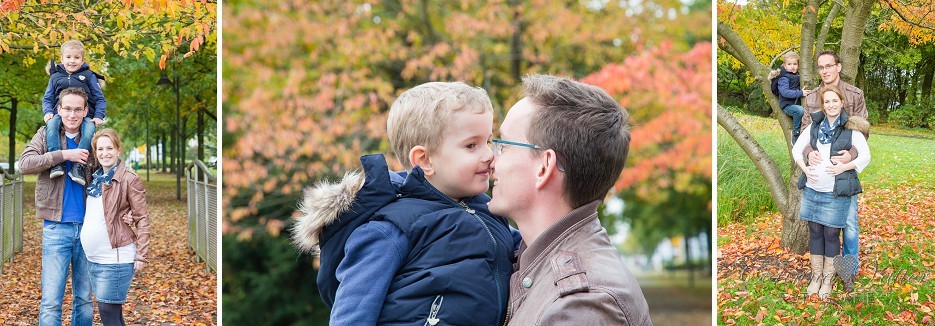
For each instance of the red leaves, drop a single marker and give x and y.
(896, 232)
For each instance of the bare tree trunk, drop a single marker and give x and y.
(13, 108)
(855, 17)
(810, 45)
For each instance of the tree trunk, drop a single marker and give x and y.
(516, 42)
(688, 262)
(13, 108)
(201, 134)
(809, 43)
(164, 141)
(855, 17)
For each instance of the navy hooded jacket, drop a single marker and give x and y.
(85, 79)
(457, 256)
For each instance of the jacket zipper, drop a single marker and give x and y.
(496, 265)
(433, 320)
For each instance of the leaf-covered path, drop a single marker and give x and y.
(671, 302)
(759, 282)
(172, 290)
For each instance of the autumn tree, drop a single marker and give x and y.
(127, 41)
(821, 25)
(307, 87)
(667, 183)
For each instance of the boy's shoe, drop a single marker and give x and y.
(77, 173)
(795, 136)
(57, 171)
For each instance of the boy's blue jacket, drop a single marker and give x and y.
(85, 79)
(459, 254)
(790, 90)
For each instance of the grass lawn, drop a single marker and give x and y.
(761, 283)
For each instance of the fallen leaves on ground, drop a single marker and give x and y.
(172, 289)
(761, 283)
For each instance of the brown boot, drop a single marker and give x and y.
(827, 279)
(818, 265)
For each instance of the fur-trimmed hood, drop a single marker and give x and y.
(335, 209)
(321, 205)
(858, 124)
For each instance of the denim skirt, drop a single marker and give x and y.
(824, 208)
(110, 282)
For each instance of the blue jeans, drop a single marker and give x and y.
(851, 232)
(61, 247)
(796, 112)
(54, 124)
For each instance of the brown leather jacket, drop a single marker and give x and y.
(37, 160)
(854, 103)
(572, 275)
(125, 206)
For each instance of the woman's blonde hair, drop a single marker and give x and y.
(109, 133)
(829, 88)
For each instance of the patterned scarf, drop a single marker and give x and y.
(825, 130)
(100, 178)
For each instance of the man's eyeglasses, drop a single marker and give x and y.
(70, 110)
(823, 68)
(498, 149)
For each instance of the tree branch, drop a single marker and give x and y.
(768, 168)
(825, 27)
(901, 16)
(210, 114)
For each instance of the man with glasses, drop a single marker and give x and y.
(562, 148)
(60, 202)
(829, 67)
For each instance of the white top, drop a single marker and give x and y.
(95, 240)
(825, 182)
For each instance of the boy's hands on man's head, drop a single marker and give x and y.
(97, 122)
(77, 155)
(47, 117)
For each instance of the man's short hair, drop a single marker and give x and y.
(420, 115)
(586, 127)
(73, 91)
(73, 45)
(837, 59)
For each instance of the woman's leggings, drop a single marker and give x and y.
(824, 240)
(111, 314)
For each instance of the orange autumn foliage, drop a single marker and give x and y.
(669, 97)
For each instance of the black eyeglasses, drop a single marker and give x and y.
(498, 149)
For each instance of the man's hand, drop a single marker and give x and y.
(836, 169)
(76, 155)
(138, 266)
(843, 158)
(814, 158)
(97, 122)
(48, 117)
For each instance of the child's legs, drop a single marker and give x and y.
(87, 132)
(51, 133)
(796, 112)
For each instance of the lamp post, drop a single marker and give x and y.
(165, 81)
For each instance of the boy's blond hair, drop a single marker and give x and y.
(420, 115)
(789, 55)
(73, 44)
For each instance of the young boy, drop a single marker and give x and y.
(786, 87)
(416, 247)
(72, 72)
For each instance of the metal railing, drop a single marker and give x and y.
(11, 216)
(202, 213)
